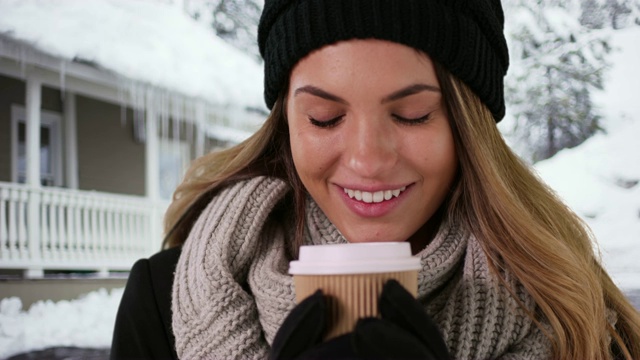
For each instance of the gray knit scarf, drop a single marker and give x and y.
(231, 290)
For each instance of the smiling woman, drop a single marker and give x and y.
(382, 128)
(356, 138)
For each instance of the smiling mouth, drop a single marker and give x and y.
(374, 197)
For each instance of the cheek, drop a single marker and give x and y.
(444, 161)
(309, 151)
(434, 156)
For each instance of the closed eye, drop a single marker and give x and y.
(325, 123)
(412, 121)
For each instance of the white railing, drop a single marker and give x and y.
(61, 229)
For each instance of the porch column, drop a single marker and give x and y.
(32, 122)
(33, 101)
(70, 141)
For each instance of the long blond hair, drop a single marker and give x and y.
(520, 222)
(267, 152)
(524, 227)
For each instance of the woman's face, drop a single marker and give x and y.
(370, 137)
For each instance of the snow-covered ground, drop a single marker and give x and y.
(84, 322)
(596, 179)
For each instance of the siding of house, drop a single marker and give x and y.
(55, 289)
(12, 92)
(109, 159)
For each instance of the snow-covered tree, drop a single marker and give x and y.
(235, 21)
(621, 13)
(556, 63)
(616, 14)
(591, 14)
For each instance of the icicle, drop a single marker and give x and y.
(176, 110)
(138, 94)
(23, 61)
(160, 104)
(201, 116)
(123, 103)
(132, 99)
(177, 144)
(191, 117)
(167, 123)
(133, 94)
(63, 75)
(165, 118)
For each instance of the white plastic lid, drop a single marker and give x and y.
(360, 258)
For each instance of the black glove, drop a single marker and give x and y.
(404, 331)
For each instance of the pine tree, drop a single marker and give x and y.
(556, 63)
(235, 21)
(591, 14)
(619, 12)
(615, 14)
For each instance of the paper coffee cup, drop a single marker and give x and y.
(352, 275)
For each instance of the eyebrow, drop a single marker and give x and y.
(404, 92)
(310, 89)
(409, 90)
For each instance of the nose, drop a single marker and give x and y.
(371, 148)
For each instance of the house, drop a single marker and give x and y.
(103, 104)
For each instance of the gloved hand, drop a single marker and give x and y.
(404, 331)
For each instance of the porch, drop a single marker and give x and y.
(45, 228)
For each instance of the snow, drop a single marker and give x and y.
(84, 322)
(595, 179)
(144, 40)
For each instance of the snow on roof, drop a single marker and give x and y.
(143, 40)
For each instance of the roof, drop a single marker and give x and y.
(143, 40)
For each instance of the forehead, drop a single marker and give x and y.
(367, 62)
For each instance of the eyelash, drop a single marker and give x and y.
(325, 123)
(333, 122)
(415, 121)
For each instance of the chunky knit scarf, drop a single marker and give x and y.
(231, 290)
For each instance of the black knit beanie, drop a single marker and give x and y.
(465, 36)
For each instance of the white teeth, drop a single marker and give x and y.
(375, 197)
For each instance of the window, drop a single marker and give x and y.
(174, 159)
(50, 147)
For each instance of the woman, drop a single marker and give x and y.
(382, 128)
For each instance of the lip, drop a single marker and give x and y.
(372, 210)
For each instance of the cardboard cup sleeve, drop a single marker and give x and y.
(352, 277)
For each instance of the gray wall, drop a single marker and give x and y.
(109, 159)
(31, 291)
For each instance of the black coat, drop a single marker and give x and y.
(143, 322)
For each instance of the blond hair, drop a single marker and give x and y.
(267, 152)
(524, 227)
(520, 222)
